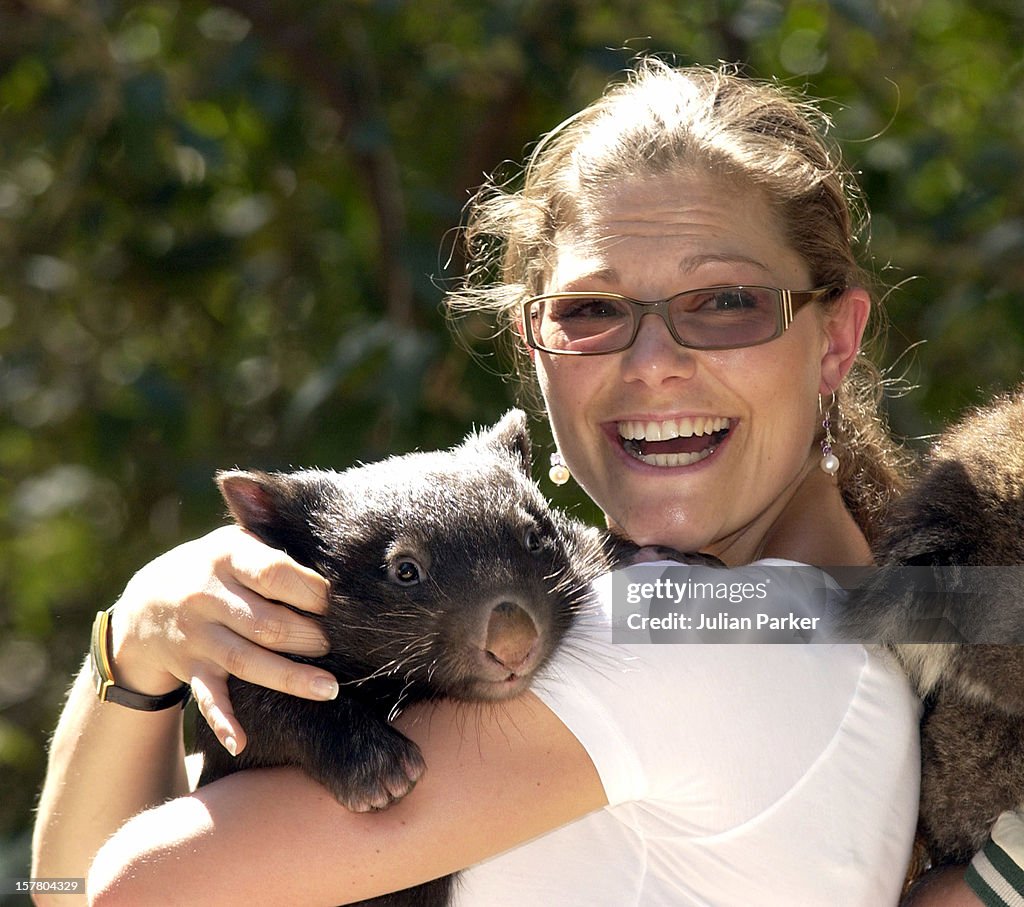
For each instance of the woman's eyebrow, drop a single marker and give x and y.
(687, 265)
(601, 275)
(693, 262)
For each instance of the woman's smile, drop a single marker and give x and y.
(673, 442)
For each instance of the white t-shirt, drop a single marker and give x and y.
(735, 774)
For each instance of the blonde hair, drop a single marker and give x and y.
(660, 120)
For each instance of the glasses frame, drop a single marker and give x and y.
(788, 303)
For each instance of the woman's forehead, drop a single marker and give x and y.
(679, 226)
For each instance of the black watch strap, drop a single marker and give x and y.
(103, 677)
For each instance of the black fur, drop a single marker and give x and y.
(450, 576)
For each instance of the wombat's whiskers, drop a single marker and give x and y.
(417, 646)
(574, 592)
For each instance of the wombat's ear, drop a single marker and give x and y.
(511, 434)
(254, 498)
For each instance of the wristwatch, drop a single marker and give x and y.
(106, 687)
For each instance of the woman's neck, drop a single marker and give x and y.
(811, 525)
(816, 527)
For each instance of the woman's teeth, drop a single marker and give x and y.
(695, 439)
(672, 428)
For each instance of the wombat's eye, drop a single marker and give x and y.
(405, 572)
(532, 541)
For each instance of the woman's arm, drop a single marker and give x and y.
(994, 877)
(193, 615)
(106, 763)
(942, 888)
(496, 776)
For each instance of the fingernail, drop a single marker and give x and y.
(324, 687)
(231, 745)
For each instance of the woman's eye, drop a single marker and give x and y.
(405, 572)
(731, 300)
(580, 309)
(532, 541)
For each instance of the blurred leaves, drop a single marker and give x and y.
(220, 228)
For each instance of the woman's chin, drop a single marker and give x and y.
(664, 533)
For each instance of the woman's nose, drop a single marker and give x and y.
(655, 356)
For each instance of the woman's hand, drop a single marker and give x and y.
(210, 608)
(197, 614)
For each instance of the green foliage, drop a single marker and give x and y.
(224, 232)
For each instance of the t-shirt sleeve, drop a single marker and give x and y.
(996, 874)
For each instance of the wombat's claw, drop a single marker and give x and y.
(385, 777)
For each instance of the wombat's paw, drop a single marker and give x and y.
(375, 777)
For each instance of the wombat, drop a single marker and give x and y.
(965, 510)
(450, 576)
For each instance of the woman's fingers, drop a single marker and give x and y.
(210, 692)
(275, 576)
(211, 609)
(247, 661)
(256, 578)
(230, 578)
(271, 625)
(255, 664)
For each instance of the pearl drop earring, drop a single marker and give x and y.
(559, 472)
(829, 461)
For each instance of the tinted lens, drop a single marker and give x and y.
(583, 324)
(710, 318)
(726, 317)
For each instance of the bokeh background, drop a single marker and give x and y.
(225, 231)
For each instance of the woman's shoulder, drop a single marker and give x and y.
(665, 705)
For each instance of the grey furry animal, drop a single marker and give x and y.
(965, 510)
(450, 576)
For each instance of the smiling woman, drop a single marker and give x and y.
(644, 239)
(676, 181)
(730, 349)
(633, 774)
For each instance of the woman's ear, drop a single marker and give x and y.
(843, 324)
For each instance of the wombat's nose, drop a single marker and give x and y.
(511, 634)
